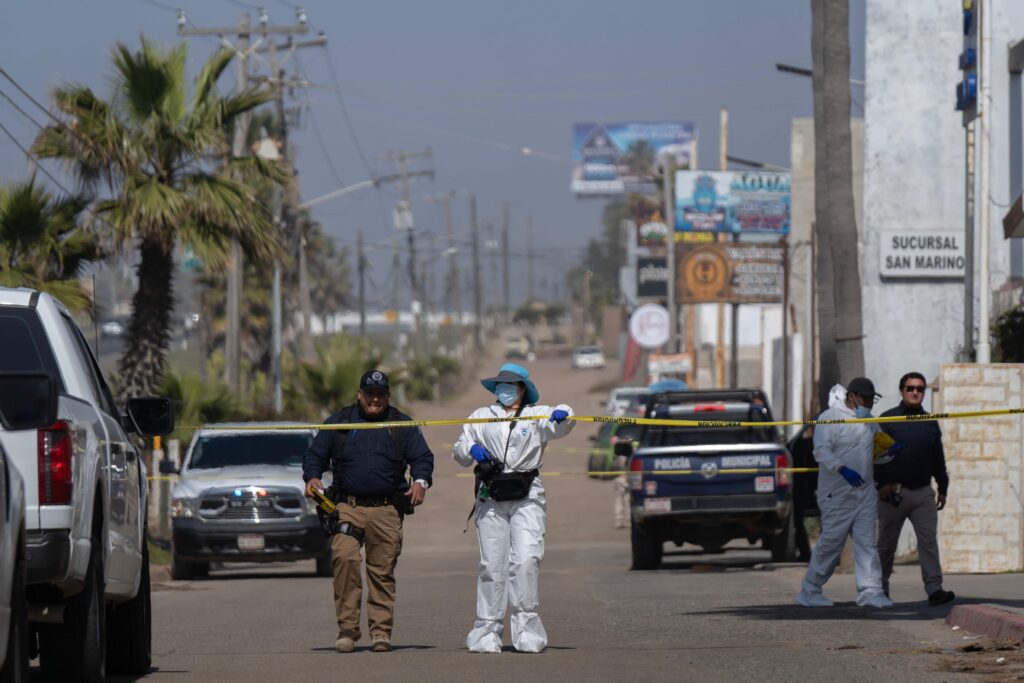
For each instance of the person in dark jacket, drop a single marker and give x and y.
(370, 489)
(904, 481)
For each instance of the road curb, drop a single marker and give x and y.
(988, 620)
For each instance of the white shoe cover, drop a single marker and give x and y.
(809, 599)
(876, 600)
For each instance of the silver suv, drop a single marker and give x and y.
(87, 561)
(239, 498)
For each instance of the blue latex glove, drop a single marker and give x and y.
(559, 416)
(851, 476)
(479, 453)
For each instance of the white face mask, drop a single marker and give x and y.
(507, 394)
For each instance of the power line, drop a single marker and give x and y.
(20, 110)
(345, 114)
(38, 163)
(162, 6)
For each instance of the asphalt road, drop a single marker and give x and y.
(709, 618)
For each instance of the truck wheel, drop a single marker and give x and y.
(15, 669)
(784, 542)
(595, 465)
(647, 550)
(130, 628)
(323, 564)
(77, 650)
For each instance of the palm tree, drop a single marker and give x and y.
(840, 321)
(153, 150)
(41, 244)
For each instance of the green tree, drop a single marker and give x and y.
(41, 244)
(153, 149)
(639, 157)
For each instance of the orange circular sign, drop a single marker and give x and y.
(706, 273)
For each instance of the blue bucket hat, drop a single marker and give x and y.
(511, 373)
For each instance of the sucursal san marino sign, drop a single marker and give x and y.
(922, 254)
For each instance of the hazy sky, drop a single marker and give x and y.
(475, 81)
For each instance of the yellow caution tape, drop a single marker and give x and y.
(642, 421)
(603, 473)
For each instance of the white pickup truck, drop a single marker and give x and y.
(85, 499)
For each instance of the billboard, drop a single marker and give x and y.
(652, 277)
(613, 158)
(731, 273)
(732, 201)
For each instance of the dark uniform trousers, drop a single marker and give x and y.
(383, 528)
(918, 505)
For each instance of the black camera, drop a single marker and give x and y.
(488, 469)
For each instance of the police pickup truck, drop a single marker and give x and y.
(708, 485)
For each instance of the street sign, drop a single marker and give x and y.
(669, 363)
(916, 254)
(652, 277)
(736, 272)
(648, 326)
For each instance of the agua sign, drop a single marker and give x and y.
(922, 254)
(648, 326)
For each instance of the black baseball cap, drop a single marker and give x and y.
(374, 379)
(862, 386)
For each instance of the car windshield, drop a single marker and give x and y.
(712, 436)
(238, 450)
(588, 350)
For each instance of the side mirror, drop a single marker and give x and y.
(624, 447)
(27, 401)
(150, 416)
(167, 466)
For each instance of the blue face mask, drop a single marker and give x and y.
(862, 411)
(506, 393)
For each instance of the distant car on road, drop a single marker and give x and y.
(518, 348)
(626, 401)
(113, 328)
(239, 498)
(588, 357)
(602, 457)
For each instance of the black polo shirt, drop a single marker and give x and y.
(922, 458)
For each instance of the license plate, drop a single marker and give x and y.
(764, 484)
(251, 542)
(658, 505)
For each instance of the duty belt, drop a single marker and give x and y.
(366, 501)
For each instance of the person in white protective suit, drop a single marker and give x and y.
(510, 507)
(846, 497)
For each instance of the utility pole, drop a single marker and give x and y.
(454, 288)
(478, 339)
(361, 267)
(506, 297)
(243, 49)
(403, 221)
(529, 258)
(723, 165)
(670, 257)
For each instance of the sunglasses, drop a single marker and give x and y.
(914, 388)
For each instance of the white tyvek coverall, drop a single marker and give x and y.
(845, 510)
(510, 533)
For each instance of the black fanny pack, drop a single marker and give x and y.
(512, 485)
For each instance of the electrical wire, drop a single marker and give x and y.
(35, 160)
(162, 6)
(20, 110)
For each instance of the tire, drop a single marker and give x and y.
(130, 628)
(595, 465)
(646, 547)
(783, 544)
(182, 570)
(15, 668)
(77, 650)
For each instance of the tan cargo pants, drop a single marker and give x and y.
(383, 528)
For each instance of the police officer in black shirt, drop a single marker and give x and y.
(904, 482)
(371, 493)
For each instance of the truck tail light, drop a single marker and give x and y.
(782, 476)
(636, 474)
(55, 464)
(709, 407)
